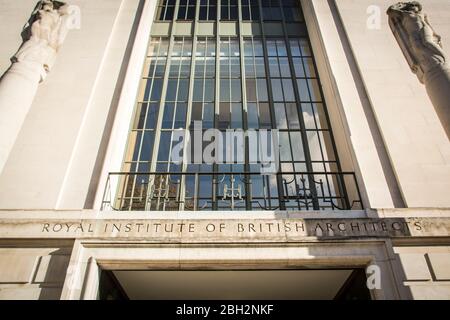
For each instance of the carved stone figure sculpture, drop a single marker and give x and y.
(47, 35)
(424, 52)
(30, 65)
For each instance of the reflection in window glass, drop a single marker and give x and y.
(292, 115)
(281, 116)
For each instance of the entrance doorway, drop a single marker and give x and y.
(341, 284)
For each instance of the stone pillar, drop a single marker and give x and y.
(30, 65)
(422, 48)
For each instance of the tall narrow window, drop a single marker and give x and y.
(204, 83)
(257, 83)
(230, 115)
(176, 101)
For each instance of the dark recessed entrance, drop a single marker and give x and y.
(349, 284)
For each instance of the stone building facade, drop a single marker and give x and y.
(91, 205)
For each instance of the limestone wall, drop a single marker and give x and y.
(415, 140)
(426, 271)
(33, 270)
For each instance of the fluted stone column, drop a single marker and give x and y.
(423, 50)
(30, 65)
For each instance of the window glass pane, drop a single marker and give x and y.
(309, 116)
(135, 144)
(224, 90)
(306, 52)
(198, 90)
(224, 13)
(161, 13)
(168, 116)
(303, 89)
(235, 90)
(297, 146)
(295, 49)
(249, 68)
(140, 116)
(292, 115)
(171, 90)
(245, 13)
(183, 90)
(203, 13)
(309, 67)
(288, 90)
(156, 90)
(180, 116)
(273, 67)
(284, 67)
(299, 72)
(321, 119)
(185, 69)
(177, 48)
(248, 48)
(258, 48)
(152, 115)
(251, 89)
(211, 48)
(255, 13)
(224, 116)
(314, 89)
(285, 150)
(201, 47)
(262, 90)
(281, 46)
(234, 48)
(181, 13)
(153, 48)
(236, 116)
(147, 146)
(210, 67)
(235, 67)
(277, 90)
(225, 67)
(199, 67)
(325, 140)
(208, 115)
(209, 89)
(164, 146)
(314, 146)
(260, 67)
(233, 13)
(281, 116)
(271, 48)
(163, 48)
(191, 13)
(196, 114)
(264, 116)
(187, 48)
(160, 67)
(252, 117)
(213, 13)
(174, 67)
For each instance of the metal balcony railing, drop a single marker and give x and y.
(231, 191)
